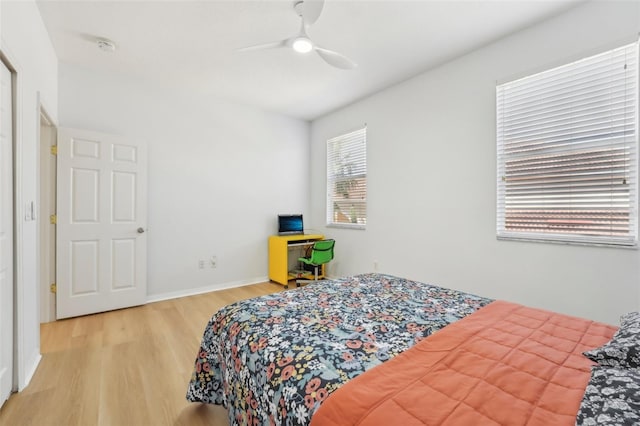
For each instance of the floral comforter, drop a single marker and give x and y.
(274, 359)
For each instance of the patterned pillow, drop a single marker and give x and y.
(631, 317)
(612, 398)
(623, 350)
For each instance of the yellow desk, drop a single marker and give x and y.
(279, 248)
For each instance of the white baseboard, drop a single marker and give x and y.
(200, 290)
(30, 369)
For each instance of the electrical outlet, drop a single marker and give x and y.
(213, 262)
(201, 264)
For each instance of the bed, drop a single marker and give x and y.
(507, 364)
(318, 355)
(275, 359)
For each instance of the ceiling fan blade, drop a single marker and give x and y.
(272, 45)
(335, 59)
(311, 10)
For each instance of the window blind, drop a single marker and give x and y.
(567, 144)
(347, 179)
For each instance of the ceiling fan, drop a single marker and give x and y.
(309, 11)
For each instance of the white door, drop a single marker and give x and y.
(101, 221)
(6, 236)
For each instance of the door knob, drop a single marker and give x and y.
(140, 230)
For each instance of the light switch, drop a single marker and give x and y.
(30, 211)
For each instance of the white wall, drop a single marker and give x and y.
(26, 44)
(219, 173)
(432, 152)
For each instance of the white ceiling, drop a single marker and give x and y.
(191, 45)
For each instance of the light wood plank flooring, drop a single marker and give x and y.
(125, 367)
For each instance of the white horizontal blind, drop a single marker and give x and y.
(567, 142)
(347, 179)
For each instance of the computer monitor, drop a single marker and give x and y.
(290, 224)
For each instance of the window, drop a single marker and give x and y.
(567, 152)
(347, 180)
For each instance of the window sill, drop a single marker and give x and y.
(347, 226)
(588, 243)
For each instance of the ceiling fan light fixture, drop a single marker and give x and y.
(309, 11)
(302, 45)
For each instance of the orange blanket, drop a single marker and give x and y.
(506, 364)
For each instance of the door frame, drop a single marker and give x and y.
(47, 200)
(24, 364)
(6, 59)
(12, 298)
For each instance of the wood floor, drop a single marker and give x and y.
(126, 367)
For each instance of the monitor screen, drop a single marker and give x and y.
(289, 224)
